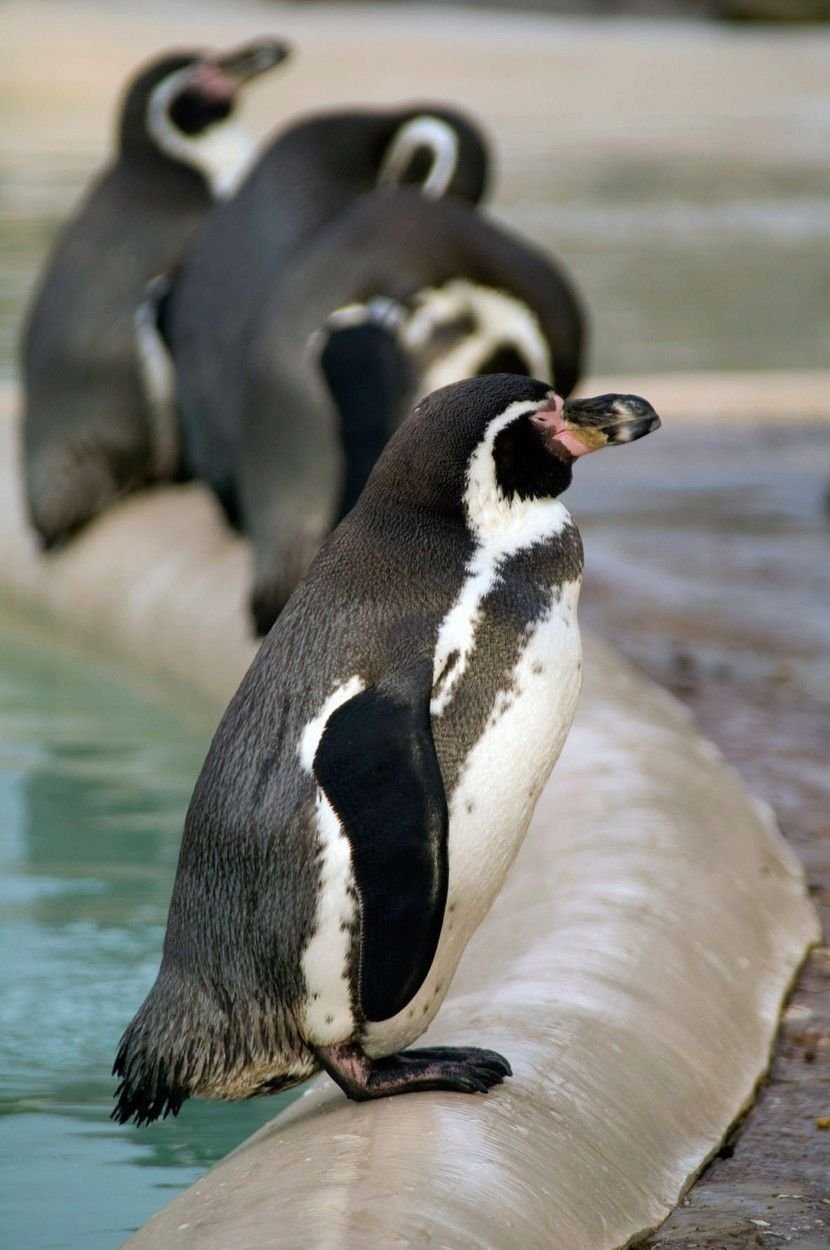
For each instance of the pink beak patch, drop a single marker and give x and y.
(212, 82)
(551, 419)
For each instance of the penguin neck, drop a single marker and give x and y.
(512, 500)
(219, 156)
(143, 161)
(219, 153)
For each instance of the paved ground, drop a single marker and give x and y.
(722, 598)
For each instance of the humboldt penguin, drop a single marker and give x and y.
(309, 174)
(456, 295)
(373, 777)
(98, 416)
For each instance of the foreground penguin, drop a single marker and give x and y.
(453, 293)
(310, 173)
(97, 421)
(375, 773)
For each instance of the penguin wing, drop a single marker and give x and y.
(158, 377)
(377, 766)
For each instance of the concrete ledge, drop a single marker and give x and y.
(632, 969)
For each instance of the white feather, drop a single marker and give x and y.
(501, 321)
(158, 375)
(423, 132)
(502, 776)
(494, 799)
(501, 527)
(327, 1010)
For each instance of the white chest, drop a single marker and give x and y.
(494, 798)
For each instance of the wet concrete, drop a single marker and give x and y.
(708, 565)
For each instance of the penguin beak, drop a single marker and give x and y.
(219, 78)
(252, 59)
(576, 427)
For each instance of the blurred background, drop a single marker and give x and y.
(674, 156)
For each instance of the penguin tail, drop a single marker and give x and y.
(152, 1063)
(147, 1096)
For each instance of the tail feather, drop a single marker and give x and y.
(189, 1039)
(145, 1096)
(149, 1063)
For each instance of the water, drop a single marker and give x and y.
(94, 783)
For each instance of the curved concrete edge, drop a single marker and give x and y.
(159, 581)
(632, 969)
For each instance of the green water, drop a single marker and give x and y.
(94, 783)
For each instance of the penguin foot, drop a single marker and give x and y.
(465, 1069)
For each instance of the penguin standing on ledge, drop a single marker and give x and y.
(310, 173)
(373, 777)
(98, 418)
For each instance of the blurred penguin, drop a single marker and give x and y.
(98, 411)
(308, 176)
(401, 295)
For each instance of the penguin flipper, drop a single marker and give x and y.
(158, 378)
(376, 764)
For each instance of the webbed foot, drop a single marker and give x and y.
(464, 1069)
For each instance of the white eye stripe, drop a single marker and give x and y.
(502, 527)
(222, 153)
(439, 138)
(501, 321)
(506, 524)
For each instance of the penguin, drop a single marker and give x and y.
(308, 175)
(97, 414)
(458, 293)
(373, 777)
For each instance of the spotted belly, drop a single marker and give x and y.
(492, 801)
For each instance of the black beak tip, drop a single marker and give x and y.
(274, 52)
(255, 58)
(630, 431)
(640, 419)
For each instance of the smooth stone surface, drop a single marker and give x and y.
(632, 969)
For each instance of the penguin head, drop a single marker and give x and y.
(482, 449)
(176, 102)
(438, 150)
